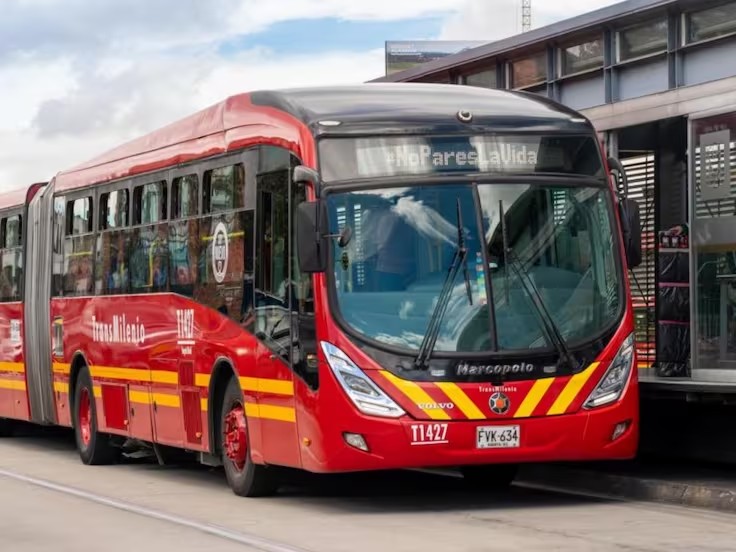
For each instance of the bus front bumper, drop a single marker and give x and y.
(606, 433)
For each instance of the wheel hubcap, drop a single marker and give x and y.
(235, 439)
(85, 417)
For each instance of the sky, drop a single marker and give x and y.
(78, 77)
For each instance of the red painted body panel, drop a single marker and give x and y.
(226, 126)
(154, 385)
(135, 356)
(575, 434)
(13, 392)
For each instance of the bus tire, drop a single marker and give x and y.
(494, 477)
(244, 477)
(94, 447)
(7, 427)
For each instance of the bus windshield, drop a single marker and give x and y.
(388, 277)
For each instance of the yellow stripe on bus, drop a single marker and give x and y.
(6, 366)
(161, 399)
(135, 374)
(417, 395)
(15, 385)
(533, 398)
(461, 400)
(263, 385)
(571, 390)
(270, 412)
(63, 387)
(61, 367)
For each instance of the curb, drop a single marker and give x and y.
(710, 496)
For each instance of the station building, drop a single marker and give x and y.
(658, 80)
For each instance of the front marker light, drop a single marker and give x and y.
(362, 391)
(614, 381)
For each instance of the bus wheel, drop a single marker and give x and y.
(494, 477)
(6, 427)
(94, 447)
(244, 477)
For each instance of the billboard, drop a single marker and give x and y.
(403, 54)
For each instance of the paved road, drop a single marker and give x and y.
(190, 507)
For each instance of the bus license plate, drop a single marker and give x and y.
(498, 436)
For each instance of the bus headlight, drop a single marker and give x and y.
(614, 381)
(362, 391)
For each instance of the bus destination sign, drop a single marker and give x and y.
(375, 157)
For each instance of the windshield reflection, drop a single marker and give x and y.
(389, 276)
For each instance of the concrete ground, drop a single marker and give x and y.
(49, 499)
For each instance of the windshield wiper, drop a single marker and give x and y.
(433, 329)
(551, 329)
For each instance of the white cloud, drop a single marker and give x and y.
(488, 20)
(121, 101)
(86, 75)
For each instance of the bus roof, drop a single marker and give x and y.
(291, 117)
(13, 198)
(391, 106)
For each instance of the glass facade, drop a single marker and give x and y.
(529, 71)
(642, 40)
(714, 243)
(582, 57)
(711, 23)
(484, 79)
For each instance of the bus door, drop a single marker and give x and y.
(274, 298)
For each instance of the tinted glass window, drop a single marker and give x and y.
(641, 40)
(483, 79)
(185, 196)
(224, 189)
(529, 71)
(114, 209)
(11, 257)
(711, 23)
(12, 231)
(274, 291)
(149, 203)
(582, 57)
(79, 216)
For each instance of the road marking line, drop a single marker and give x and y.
(257, 543)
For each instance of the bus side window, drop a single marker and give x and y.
(304, 340)
(57, 283)
(272, 256)
(111, 266)
(78, 246)
(149, 261)
(11, 242)
(183, 240)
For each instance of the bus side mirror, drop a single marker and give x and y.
(311, 245)
(631, 219)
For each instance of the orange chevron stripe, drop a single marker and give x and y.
(417, 395)
(461, 400)
(533, 397)
(571, 390)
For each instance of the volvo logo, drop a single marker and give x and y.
(499, 403)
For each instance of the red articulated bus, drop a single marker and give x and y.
(332, 279)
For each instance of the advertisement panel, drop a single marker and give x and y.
(404, 54)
